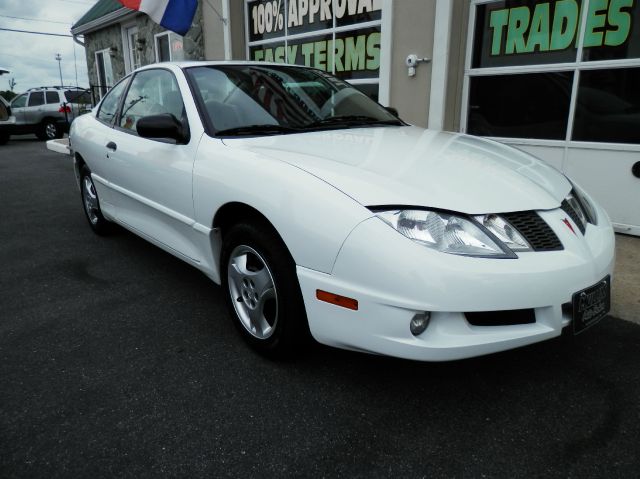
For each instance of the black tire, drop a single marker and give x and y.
(91, 204)
(4, 138)
(49, 130)
(286, 320)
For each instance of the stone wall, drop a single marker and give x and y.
(111, 37)
(108, 37)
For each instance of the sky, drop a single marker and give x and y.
(31, 58)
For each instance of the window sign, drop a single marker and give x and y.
(338, 36)
(522, 32)
(578, 100)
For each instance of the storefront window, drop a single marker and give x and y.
(547, 38)
(608, 106)
(533, 105)
(612, 31)
(525, 32)
(341, 37)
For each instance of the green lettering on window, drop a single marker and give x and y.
(498, 21)
(565, 24)
(518, 24)
(596, 19)
(620, 20)
(539, 33)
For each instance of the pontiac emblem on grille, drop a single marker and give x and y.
(566, 222)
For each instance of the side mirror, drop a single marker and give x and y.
(392, 110)
(164, 126)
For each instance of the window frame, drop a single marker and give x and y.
(577, 66)
(118, 106)
(106, 53)
(46, 94)
(41, 92)
(385, 24)
(117, 117)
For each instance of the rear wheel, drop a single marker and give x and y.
(262, 290)
(49, 130)
(4, 138)
(91, 204)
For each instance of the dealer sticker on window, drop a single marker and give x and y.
(591, 305)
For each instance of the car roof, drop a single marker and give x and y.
(190, 64)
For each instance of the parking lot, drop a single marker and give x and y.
(117, 359)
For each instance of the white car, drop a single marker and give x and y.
(321, 213)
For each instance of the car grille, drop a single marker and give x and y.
(566, 207)
(535, 230)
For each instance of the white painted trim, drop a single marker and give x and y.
(105, 54)
(440, 64)
(228, 51)
(572, 144)
(363, 81)
(315, 33)
(467, 65)
(626, 229)
(246, 31)
(386, 49)
(124, 27)
(155, 45)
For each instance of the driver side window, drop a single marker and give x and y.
(152, 92)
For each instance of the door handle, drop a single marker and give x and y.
(112, 146)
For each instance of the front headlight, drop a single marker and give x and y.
(579, 208)
(587, 207)
(445, 232)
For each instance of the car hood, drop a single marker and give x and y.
(415, 167)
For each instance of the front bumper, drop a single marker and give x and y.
(393, 278)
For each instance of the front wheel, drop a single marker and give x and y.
(91, 204)
(4, 138)
(262, 290)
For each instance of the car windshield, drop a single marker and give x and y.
(270, 100)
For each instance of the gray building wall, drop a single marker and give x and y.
(214, 37)
(108, 37)
(413, 25)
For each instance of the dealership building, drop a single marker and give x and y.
(557, 78)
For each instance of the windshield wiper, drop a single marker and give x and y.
(352, 120)
(257, 129)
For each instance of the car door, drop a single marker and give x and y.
(91, 142)
(152, 179)
(18, 106)
(33, 111)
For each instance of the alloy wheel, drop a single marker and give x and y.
(253, 291)
(90, 198)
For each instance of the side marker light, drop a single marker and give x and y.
(336, 299)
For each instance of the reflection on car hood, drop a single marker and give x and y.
(413, 166)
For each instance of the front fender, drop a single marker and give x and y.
(312, 217)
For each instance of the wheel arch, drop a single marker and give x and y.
(230, 214)
(78, 163)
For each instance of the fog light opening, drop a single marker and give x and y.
(419, 323)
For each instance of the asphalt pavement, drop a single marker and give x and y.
(117, 359)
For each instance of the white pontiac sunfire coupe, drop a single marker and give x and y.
(321, 213)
